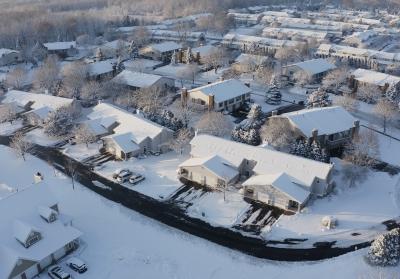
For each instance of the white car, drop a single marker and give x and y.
(76, 264)
(56, 272)
(136, 178)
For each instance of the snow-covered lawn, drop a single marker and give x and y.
(80, 151)
(8, 128)
(120, 243)
(363, 206)
(39, 137)
(159, 172)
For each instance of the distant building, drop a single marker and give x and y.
(62, 49)
(331, 127)
(101, 70)
(369, 77)
(9, 56)
(316, 69)
(34, 233)
(162, 51)
(137, 80)
(227, 95)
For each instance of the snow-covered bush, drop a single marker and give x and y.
(60, 122)
(385, 250)
(248, 131)
(167, 119)
(312, 151)
(250, 136)
(319, 98)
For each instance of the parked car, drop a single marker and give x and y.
(56, 272)
(117, 172)
(123, 176)
(136, 178)
(76, 264)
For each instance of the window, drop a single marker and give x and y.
(231, 101)
(238, 98)
(220, 104)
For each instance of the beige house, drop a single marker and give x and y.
(331, 127)
(9, 56)
(132, 134)
(275, 178)
(227, 95)
(32, 234)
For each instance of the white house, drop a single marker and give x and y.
(9, 56)
(63, 49)
(101, 70)
(33, 233)
(369, 77)
(226, 95)
(137, 80)
(294, 34)
(331, 127)
(37, 106)
(162, 51)
(132, 134)
(314, 68)
(216, 161)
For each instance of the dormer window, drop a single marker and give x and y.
(26, 234)
(48, 214)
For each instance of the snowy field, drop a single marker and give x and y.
(120, 243)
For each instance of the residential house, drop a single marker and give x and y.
(37, 107)
(162, 51)
(227, 95)
(315, 69)
(276, 178)
(331, 127)
(102, 70)
(159, 35)
(137, 80)
(294, 34)
(249, 62)
(34, 233)
(62, 49)
(369, 77)
(142, 65)
(9, 56)
(246, 19)
(132, 134)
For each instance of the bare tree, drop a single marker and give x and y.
(181, 141)
(335, 78)
(369, 93)
(363, 150)
(74, 76)
(215, 59)
(84, 135)
(149, 99)
(141, 36)
(16, 78)
(276, 133)
(47, 75)
(348, 102)
(386, 110)
(72, 170)
(91, 91)
(353, 173)
(214, 123)
(302, 78)
(20, 145)
(185, 114)
(7, 113)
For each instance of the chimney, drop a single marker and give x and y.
(274, 113)
(37, 177)
(314, 133)
(184, 96)
(221, 78)
(356, 128)
(210, 102)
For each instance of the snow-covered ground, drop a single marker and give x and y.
(159, 172)
(38, 136)
(7, 128)
(120, 243)
(80, 151)
(371, 201)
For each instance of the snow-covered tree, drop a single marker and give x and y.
(84, 135)
(249, 136)
(363, 149)
(302, 78)
(319, 98)
(393, 94)
(347, 102)
(173, 59)
(369, 94)
(167, 119)
(7, 113)
(91, 91)
(214, 123)
(47, 75)
(74, 77)
(277, 134)
(20, 145)
(385, 249)
(215, 59)
(386, 110)
(15, 78)
(59, 122)
(317, 153)
(181, 141)
(273, 95)
(335, 78)
(149, 99)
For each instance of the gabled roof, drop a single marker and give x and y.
(137, 79)
(315, 66)
(162, 47)
(215, 164)
(46, 211)
(223, 90)
(267, 161)
(373, 77)
(327, 120)
(101, 67)
(6, 51)
(136, 126)
(98, 126)
(22, 230)
(282, 182)
(125, 142)
(60, 45)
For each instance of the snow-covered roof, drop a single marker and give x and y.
(162, 47)
(245, 57)
(315, 66)
(141, 64)
(223, 90)
(282, 182)
(204, 50)
(60, 45)
(46, 212)
(125, 142)
(101, 67)
(99, 126)
(115, 44)
(137, 127)
(373, 77)
(274, 31)
(268, 161)
(233, 38)
(327, 120)
(6, 51)
(137, 79)
(19, 217)
(42, 112)
(23, 98)
(215, 164)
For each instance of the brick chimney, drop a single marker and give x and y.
(210, 102)
(184, 96)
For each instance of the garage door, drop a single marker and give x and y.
(46, 262)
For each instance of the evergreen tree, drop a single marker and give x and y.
(385, 250)
(273, 95)
(319, 98)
